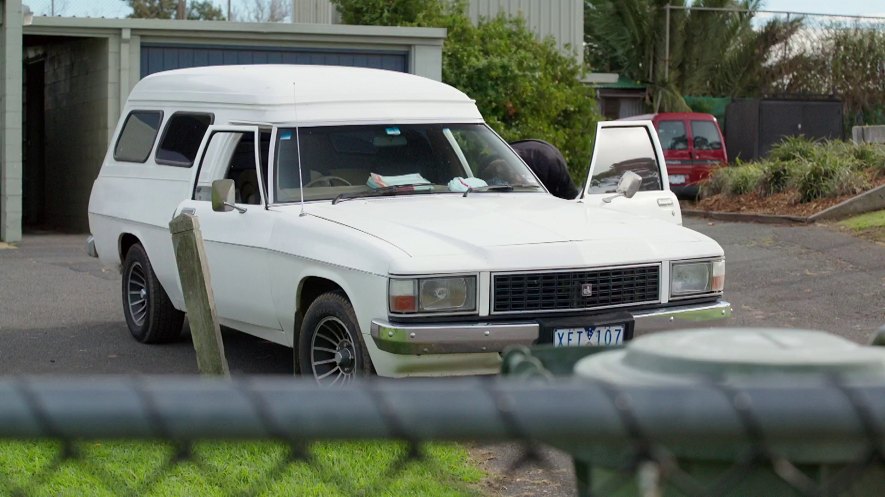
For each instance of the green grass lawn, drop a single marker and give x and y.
(235, 468)
(870, 225)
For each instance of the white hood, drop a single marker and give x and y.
(510, 228)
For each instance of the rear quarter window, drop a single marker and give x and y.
(137, 136)
(182, 137)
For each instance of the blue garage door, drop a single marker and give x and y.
(156, 58)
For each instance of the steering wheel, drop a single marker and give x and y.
(328, 180)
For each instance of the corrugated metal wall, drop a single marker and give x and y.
(314, 11)
(163, 57)
(561, 19)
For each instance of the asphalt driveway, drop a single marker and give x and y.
(60, 313)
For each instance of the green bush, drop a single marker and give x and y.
(833, 172)
(525, 88)
(777, 176)
(871, 156)
(793, 148)
(738, 179)
(814, 169)
(744, 179)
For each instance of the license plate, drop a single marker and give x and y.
(591, 336)
(677, 179)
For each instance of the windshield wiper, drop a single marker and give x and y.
(386, 191)
(499, 188)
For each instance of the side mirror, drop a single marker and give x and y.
(223, 196)
(627, 186)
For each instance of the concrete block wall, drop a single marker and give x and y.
(77, 128)
(10, 120)
(868, 134)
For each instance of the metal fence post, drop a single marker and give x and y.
(190, 256)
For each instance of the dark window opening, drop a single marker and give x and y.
(137, 137)
(181, 139)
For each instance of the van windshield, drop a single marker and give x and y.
(429, 158)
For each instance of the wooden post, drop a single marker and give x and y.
(190, 255)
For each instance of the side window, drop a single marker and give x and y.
(137, 136)
(181, 138)
(672, 135)
(230, 155)
(620, 150)
(706, 136)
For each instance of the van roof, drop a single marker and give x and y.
(310, 93)
(662, 116)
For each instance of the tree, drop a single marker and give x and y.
(168, 9)
(525, 88)
(267, 11)
(398, 12)
(710, 53)
(845, 61)
(204, 11)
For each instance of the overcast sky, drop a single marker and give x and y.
(118, 8)
(844, 7)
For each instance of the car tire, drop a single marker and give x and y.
(149, 313)
(329, 347)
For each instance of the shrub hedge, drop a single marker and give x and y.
(812, 169)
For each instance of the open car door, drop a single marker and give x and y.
(236, 238)
(623, 146)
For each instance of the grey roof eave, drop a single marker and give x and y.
(84, 26)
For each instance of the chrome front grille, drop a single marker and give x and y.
(575, 290)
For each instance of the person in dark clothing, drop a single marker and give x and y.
(549, 166)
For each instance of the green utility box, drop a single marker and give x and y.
(727, 360)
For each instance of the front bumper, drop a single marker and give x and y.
(457, 338)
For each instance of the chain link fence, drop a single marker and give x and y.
(281, 436)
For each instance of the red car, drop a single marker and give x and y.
(693, 145)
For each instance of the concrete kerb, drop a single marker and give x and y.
(868, 201)
(872, 200)
(743, 217)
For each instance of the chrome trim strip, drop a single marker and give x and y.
(695, 296)
(575, 269)
(451, 339)
(697, 312)
(581, 309)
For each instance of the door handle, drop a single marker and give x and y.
(665, 202)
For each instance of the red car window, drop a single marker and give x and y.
(672, 135)
(706, 136)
